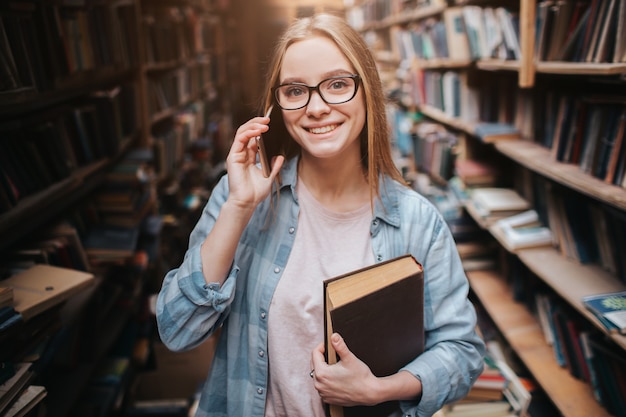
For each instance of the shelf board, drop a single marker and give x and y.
(498, 65)
(538, 159)
(406, 16)
(469, 127)
(443, 63)
(572, 397)
(440, 116)
(580, 68)
(572, 280)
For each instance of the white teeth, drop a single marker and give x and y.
(324, 129)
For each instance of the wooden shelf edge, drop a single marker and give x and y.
(538, 159)
(443, 63)
(572, 280)
(440, 116)
(572, 397)
(580, 68)
(498, 65)
(404, 17)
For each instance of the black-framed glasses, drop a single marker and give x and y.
(333, 90)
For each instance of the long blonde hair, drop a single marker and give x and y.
(375, 141)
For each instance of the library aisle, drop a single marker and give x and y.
(115, 119)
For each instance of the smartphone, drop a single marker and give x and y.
(266, 150)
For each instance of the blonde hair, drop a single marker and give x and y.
(375, 142)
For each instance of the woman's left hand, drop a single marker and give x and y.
(349, 382)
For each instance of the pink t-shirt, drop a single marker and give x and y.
(327, 244)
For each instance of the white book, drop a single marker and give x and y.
(492, 200)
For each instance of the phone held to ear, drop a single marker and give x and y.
(264, 155)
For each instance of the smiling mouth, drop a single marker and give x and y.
(324, 129)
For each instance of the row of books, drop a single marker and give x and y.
(581, 349)
(581, 31)
(19, 394)
(43, 44)
(575, 31)
(468, 99)
(463, 33)
(174, 138)
(588, 131)
(168, 89)
(579, 228)
(47, 148)
(585, 353)
(586, 231)
(173, 34)
(434, 150)
(450, 92)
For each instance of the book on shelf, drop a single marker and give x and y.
(609, 365)
(509, 22)
(386, 340)
(481, 409)
(10, 389)
(498, 201)
(489, 386)
(609, 308)
(6, 296)
(41, 287)
(111, 243)
(27, 400)
(522, 230)
(494, 131)
(476, 173)
(456, 36)
(165, 407)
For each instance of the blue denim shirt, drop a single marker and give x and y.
(189, 310)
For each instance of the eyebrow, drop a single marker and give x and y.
(338, 72)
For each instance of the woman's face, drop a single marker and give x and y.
(322, 130)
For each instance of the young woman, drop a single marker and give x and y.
(262, 247)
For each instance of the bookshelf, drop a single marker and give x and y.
(100, 103)
(520, 87)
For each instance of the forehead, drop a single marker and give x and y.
(313, 59)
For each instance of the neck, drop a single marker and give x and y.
(339, 186)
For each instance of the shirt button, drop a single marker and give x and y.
(259, 391)
(375, 222)
(261, 353)
(379, 258)
(291, 230)
(276, 270)
(263, 315)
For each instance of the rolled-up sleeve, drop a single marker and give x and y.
(188, 309)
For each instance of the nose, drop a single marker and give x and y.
(317, 106)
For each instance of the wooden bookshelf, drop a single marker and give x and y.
(568, 279)
(68, 116)
(522, 331)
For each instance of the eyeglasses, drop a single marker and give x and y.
(333, 90)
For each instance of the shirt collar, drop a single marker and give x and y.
(386, 208)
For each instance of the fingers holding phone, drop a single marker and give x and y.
(267, 149)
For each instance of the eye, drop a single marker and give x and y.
(293, 90)
(338, 84)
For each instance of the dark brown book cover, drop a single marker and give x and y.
(383, 325)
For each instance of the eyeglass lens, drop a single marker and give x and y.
(335, 90)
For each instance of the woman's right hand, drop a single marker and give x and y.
(247, 184)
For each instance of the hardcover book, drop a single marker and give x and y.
(41, 287)
(379, 311)
(609, 307)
